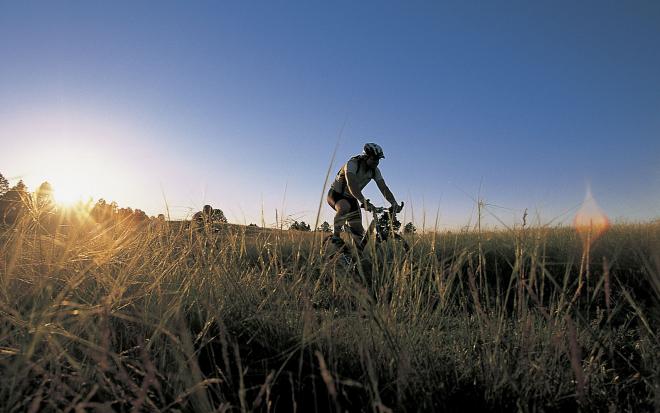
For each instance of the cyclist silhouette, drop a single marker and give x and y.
(345, 195)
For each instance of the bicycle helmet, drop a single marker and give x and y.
(373, 150)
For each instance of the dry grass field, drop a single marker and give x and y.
(119, 317)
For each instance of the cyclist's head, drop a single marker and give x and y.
(373, 150)
(208, 209)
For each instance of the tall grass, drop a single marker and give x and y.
(118, 317)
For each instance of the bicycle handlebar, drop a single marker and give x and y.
(380, 210)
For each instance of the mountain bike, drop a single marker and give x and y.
(364, 257)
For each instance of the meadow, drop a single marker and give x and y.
(154, 317)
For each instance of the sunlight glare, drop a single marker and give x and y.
(74, 175)
(590, 221)
(82, 156)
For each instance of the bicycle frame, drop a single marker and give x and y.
(383, 226)
(383, 223)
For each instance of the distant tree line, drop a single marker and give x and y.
(409, 228)
(102, 211)
(302, 226)
(17, 202)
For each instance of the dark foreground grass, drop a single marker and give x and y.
(122, 318)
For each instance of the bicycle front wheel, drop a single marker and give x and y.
(399, 240)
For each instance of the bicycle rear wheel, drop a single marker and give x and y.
(384, 259)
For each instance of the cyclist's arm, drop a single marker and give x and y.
(386, 191)
(353, 187)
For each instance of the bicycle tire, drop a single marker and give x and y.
(403, 242)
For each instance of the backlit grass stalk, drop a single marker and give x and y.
(158, 318)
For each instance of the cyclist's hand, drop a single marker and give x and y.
(368, 206)
(396, 208)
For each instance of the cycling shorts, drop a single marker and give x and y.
(334, 197)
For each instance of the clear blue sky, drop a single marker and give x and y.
(241, 104)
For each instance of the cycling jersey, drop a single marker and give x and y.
(363, 174)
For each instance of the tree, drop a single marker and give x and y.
(102, 211)
(12, 204)
(218, 217)
(125, 214)
(44, 197)
(4, 185)
(300, 226)
(324, 227)
(409, 228)
(139, 216)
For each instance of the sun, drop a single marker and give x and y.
(78, 174)
(71, 191)
(81, 154)
(72, 174)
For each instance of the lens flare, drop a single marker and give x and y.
(590, 221)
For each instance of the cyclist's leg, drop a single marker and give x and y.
(354, 221)
(343, 209)
(356, 228)
(348, 211)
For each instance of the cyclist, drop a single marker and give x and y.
(345, 195)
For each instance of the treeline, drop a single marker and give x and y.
(17, 203)
(409, 228)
